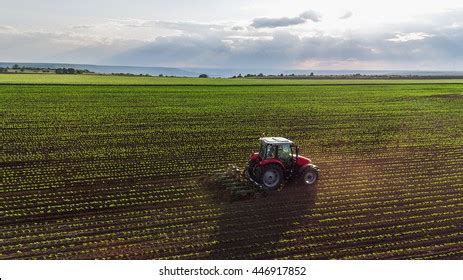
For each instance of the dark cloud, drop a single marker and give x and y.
(284, 49)
(276, 22)
(286, 21)
(176, 51)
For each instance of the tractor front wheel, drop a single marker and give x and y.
(272, 176)
(309, 175)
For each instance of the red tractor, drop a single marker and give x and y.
(278, 160)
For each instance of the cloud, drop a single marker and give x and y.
(433, 43)
(181, 50)
(187, 27)
(283, 49)
(7, 29)
(35, 46)
(82, 26)
(286, 21)
(346, 15)
(276, 22)
(143, 29)
(405, 37)
(237, 28)
(311, 15)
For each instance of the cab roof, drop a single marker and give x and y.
(276, 140)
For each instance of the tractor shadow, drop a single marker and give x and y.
(255, 228)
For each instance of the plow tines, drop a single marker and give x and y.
(230, 184)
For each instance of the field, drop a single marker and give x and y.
(107, 167)
(88, 79)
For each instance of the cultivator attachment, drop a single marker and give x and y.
(232, 184)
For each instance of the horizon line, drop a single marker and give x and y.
(225, 68)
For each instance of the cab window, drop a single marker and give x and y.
(267, 151)
(284, 152)
(271, 152)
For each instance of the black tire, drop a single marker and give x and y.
(309, 175)
(272, 177)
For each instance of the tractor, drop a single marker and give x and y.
(277, 161)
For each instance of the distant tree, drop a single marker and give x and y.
(203, 76)
(311, 74)
(16, 67)
(234, 77)
(161, 75)
(239, 75)
(260, 75)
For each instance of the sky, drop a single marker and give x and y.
(267, 34)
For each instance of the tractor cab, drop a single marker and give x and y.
(278, 148)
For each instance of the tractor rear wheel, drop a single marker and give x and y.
(309, 175)
(272, 176)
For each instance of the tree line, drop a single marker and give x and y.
(22, 69)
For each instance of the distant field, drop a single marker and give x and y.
(134, 80)
(109, 171)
